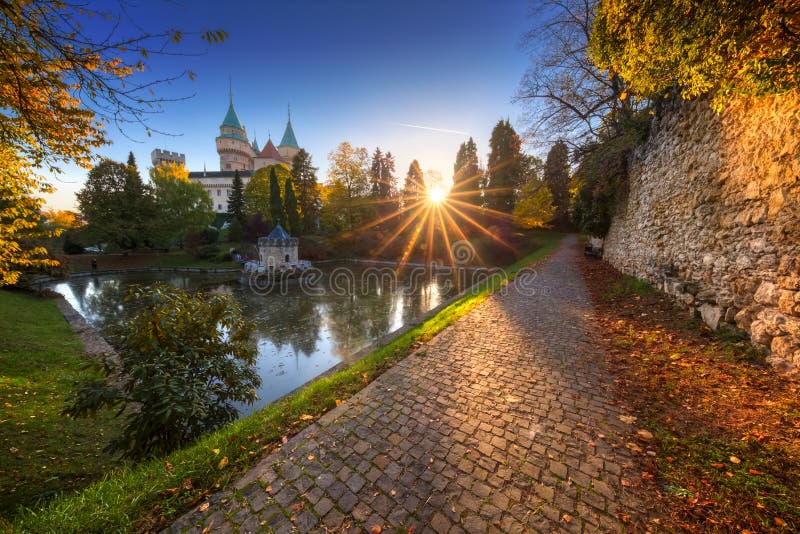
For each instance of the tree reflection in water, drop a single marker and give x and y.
(299, 336)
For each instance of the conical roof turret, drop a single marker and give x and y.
(288, 138)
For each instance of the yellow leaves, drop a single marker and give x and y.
(204, 506)
(167, 465)
(734, 460)
(215, 451)
(223, 463)
(306, 417)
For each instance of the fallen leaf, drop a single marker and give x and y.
(644, 434)
(566, 518)
(187, 484)
(754, 472)
(717, 466)
(215, 451)
(376, 529)
(13, 450)
(204, 506)
(223, 463)
(734, 460)
(627, 419)
(779, 522)
(168, 465)
(310, 457)
(298, 507)
(338, 402)
(306, 417)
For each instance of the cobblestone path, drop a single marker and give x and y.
(500, 423)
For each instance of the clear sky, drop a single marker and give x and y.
(363, 71)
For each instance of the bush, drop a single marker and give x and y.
(206, 252)
(71, 244)
(184, 359)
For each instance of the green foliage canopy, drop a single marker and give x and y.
(182, 204)
(746, 47)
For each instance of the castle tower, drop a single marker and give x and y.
(288, 147)
(235, 151)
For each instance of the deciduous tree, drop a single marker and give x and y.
(349, 175)
(182, 205)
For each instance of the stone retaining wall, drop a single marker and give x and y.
(712, 217)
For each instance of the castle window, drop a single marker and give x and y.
(219, 192)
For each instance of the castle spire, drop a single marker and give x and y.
(230, 89)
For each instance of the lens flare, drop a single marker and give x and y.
(436, 195)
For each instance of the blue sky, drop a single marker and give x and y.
(353, 70)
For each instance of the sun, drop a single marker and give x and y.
(436, 195)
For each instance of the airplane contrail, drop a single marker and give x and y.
(431, 128)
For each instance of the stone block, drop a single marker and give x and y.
(767, 294)
(758, 332)
(785, 347)
(711, 315)
(789, 302)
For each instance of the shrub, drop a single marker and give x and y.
(184, 359)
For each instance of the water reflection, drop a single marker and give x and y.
(299, 336)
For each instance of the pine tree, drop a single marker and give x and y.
(376, 173)
(236, 201)
(467, 174)
(307, 190)
(275, 204)
(556, 176)
(505, 172)
(290, 207)
(414, 187)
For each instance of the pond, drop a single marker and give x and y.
(301, 330)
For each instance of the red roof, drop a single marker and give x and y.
(269, 151)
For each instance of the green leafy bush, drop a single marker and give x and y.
(184, 360)
(602, 175)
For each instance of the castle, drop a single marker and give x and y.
(236, 153)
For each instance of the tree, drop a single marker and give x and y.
(290, 208)
(182, 205)
(556, 176)
(59, 86)
(414, 185)
(257, 192)
(20, 219)
(567, 96)
(382, 175)
(116, 205)
(505, 168)
(534, 207)
(728, 46)
(304, 178)
(467, 174)
(236, 200)
(349, 175)
(276, 212)
(187, 359)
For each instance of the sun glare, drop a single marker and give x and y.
(436, 195)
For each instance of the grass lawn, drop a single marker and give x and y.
(151, 494)
(42, 452)
(132, 260)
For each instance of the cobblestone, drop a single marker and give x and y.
(502, 422)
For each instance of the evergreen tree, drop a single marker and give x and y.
(505, 172)
(376, 172)
(290, 207)
(275, 204)
(467, 174)
(556, 176)
(414, 186)
(383, 181)
(236, 201)
(304, 178)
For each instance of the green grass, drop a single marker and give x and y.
(124, 501)
(132, 260)
(630, 286)
(43, 453)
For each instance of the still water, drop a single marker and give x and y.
(300, 333)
